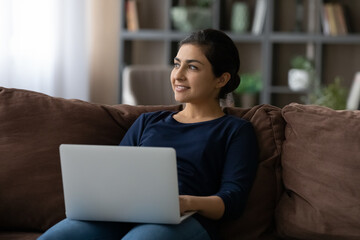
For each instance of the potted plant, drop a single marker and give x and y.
(197, 15)
(332, 96)
(301, 73)
(246, 94)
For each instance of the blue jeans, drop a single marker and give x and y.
(86, 230)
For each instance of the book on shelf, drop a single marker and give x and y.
(329, 8)
(353, 101)
(324, 19)
(334, 20)
(340, 19)
(259, 17)
(313, 23)
(132, 17)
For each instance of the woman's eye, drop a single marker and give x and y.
(192, 67)
(176, 65)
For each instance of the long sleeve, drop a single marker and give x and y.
(239, 171)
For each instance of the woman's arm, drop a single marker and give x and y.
(239, 171)
(211, 207)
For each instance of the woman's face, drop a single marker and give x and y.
(192, 78)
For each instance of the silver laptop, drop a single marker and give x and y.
(116, 183)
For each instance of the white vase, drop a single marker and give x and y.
(240, 17)
(298, 79)
(191, 18)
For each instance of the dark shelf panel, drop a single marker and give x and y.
(285, 90)
(279, 37)
(176, 35)
(276, 37)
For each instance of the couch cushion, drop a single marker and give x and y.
(321, 164)
(19, 236)
(32, 126)
(257, 220)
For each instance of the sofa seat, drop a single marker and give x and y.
(306, 185)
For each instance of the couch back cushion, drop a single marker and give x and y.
(257, 221)
(32, 126)
(321, 165)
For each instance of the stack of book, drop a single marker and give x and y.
(132, 18)
(334, 19)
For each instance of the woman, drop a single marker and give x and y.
(216, 153)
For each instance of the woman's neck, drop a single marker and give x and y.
(194, 113)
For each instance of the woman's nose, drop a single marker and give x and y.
(179, 73)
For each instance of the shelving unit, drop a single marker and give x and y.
(269, 53)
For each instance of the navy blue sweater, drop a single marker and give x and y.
(216, 157)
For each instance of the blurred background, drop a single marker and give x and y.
(63, 48)
(121, 51)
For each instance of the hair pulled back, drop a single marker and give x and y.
(222, 54)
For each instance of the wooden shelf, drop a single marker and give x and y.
(268, 53)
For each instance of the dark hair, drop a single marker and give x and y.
(222, 54)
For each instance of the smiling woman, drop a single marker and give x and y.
(205, 70)
(216, 152)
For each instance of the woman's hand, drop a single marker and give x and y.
(185, 204)
(211, 207)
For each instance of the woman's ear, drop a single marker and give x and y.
(223, 80)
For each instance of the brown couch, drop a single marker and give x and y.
(307, 184)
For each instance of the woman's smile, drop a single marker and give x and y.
(181, 88)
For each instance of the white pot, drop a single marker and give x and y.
(240, 17)
(191, 18)
(298, 79)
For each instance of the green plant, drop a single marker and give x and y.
(198, 3)
(202, 3)
(301, 62)
(250, 83)
(333, 95)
